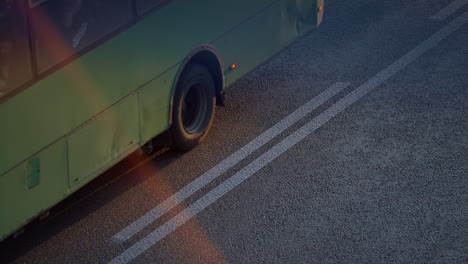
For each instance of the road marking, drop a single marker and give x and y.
(448, 10)
(227, 163)
(218, 192)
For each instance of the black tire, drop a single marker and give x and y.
(193, 108)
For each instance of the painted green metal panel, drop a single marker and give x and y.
(103, 140)
(285, 22)
(125, 83)
(151, 108)
(69, 97)
(20, 204)
(33, 172)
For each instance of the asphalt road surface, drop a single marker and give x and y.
(351, 146)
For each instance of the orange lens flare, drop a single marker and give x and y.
(188, 244)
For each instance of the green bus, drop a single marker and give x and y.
(84, 83)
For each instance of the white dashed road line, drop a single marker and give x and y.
(218, 192)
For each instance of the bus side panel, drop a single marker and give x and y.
(66, 99)
(44, 115)
(169, 35)
(36, 122)
(154, 100)
(103, 140)
(280, 25)
(21, 200)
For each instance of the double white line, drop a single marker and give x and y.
(226, 164)
(218, 192)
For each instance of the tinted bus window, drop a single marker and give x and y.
(144, 6)
(15, 67)
(63, 27)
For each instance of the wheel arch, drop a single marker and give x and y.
(208, 56)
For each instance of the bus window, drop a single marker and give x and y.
(143, 6)
(63, 27)
(15, 67)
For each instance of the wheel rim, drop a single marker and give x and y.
(194, 112)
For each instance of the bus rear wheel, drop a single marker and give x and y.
(193, 108)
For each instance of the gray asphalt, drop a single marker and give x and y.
(385, 181)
